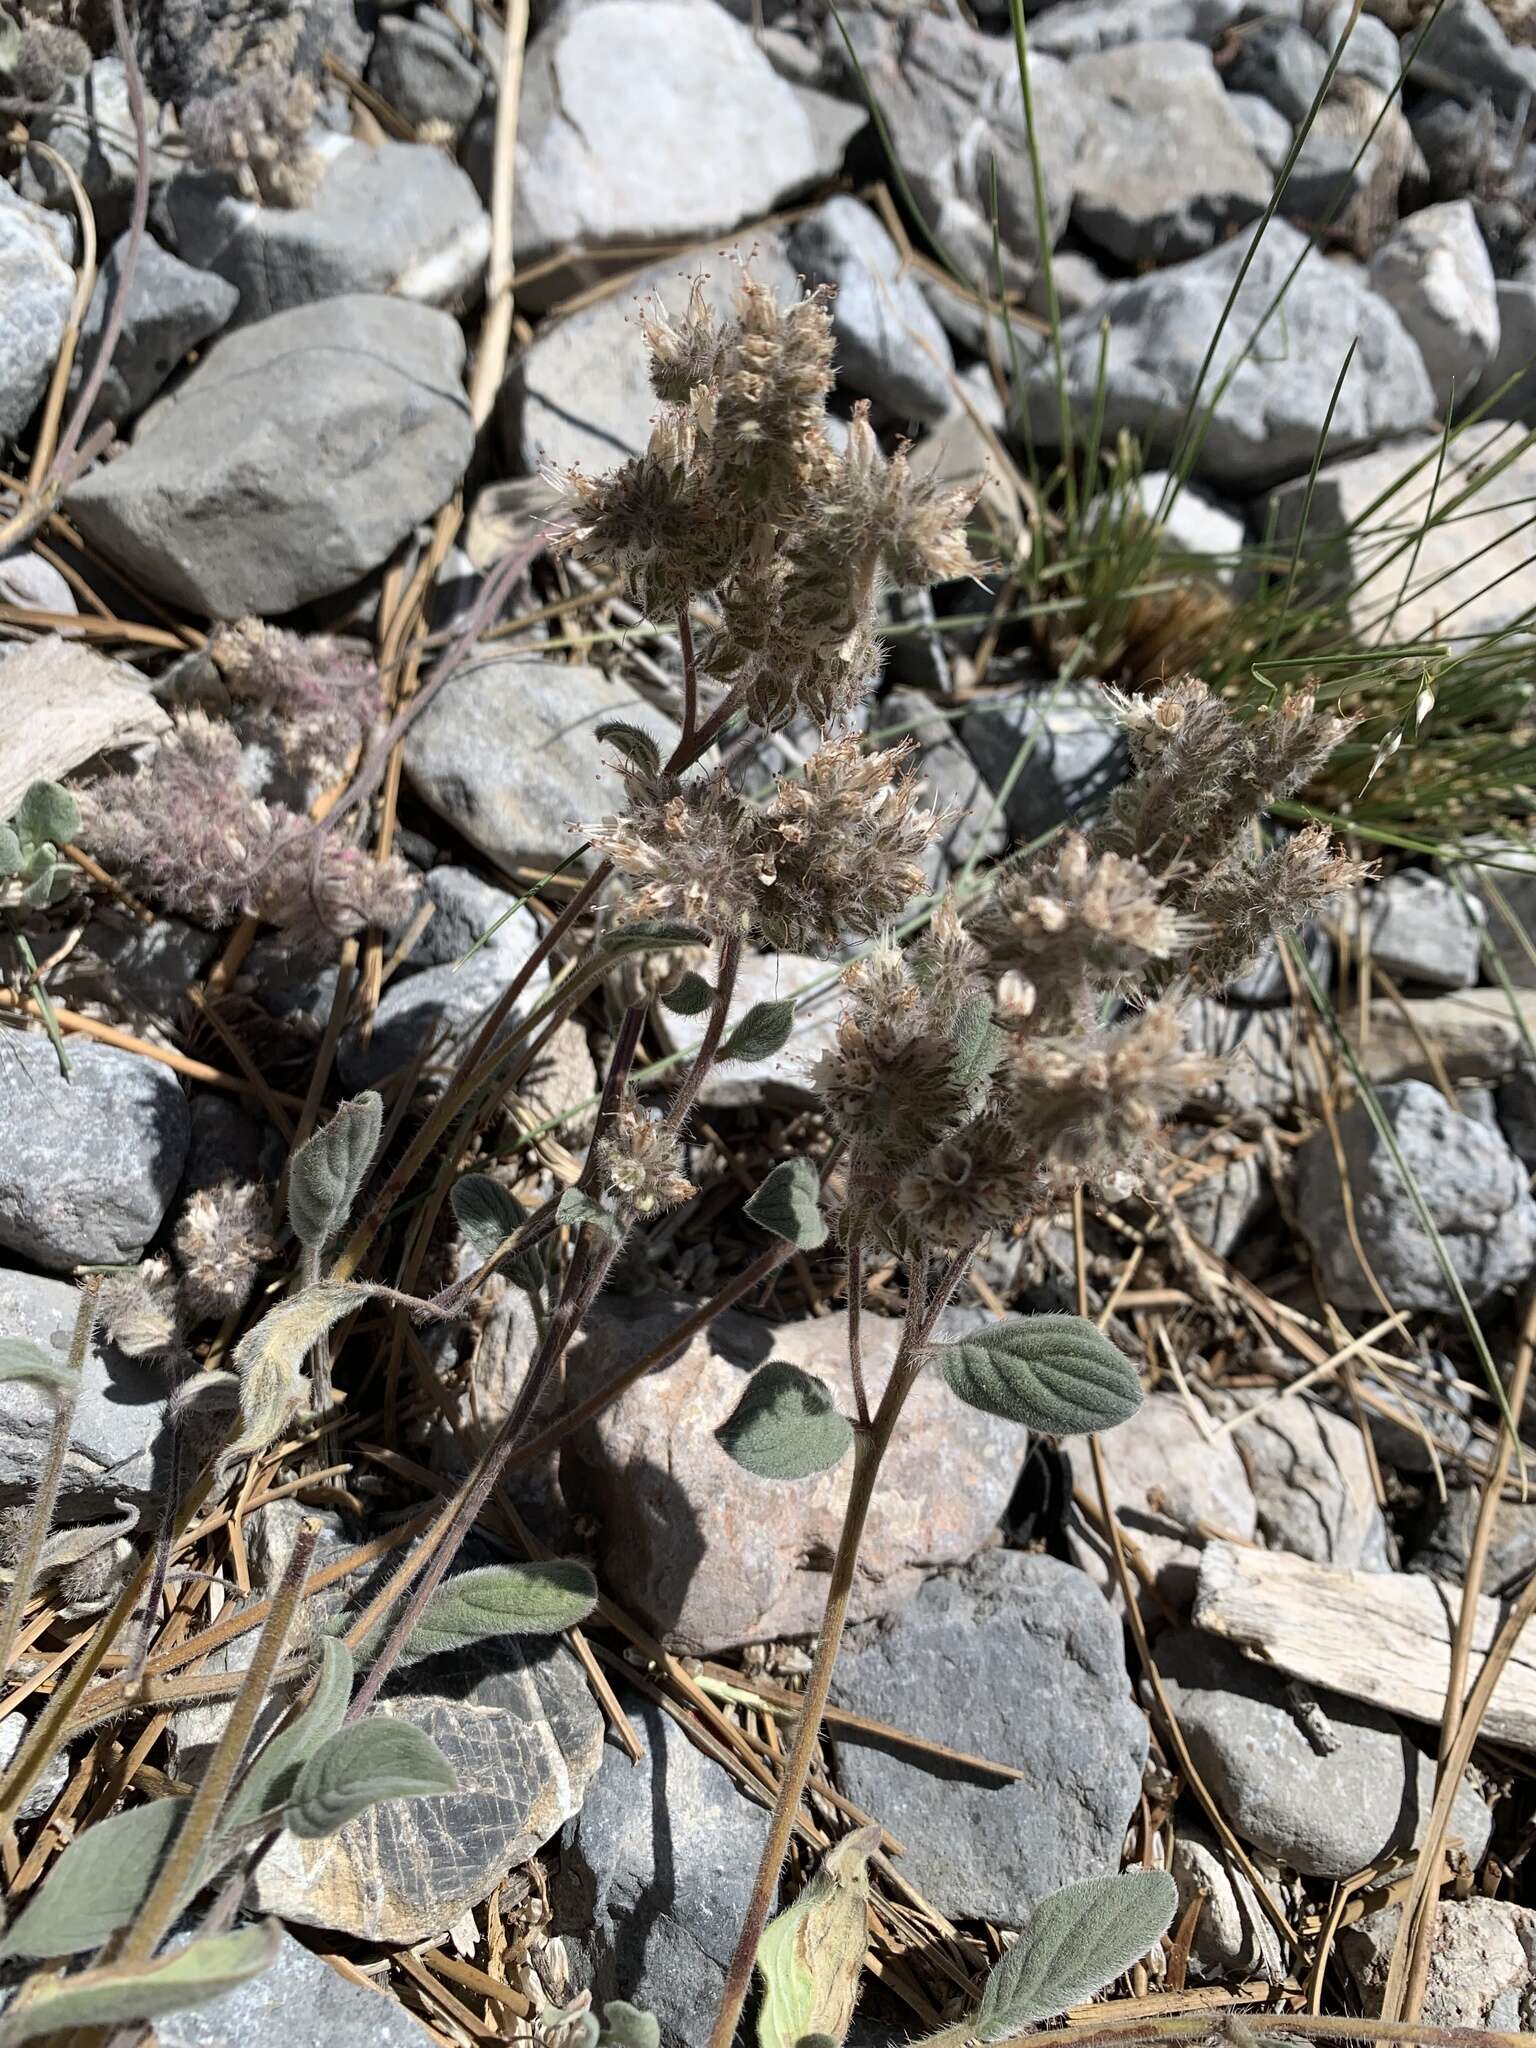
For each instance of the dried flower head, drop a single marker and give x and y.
(686, 353)
(139, 1309)
(318, 696)
(224, 1235)
(1243, 902)
(690, 850)
(978, 1180)
(655, 520)
(775, 370)
(640, 1162)
(258, 131)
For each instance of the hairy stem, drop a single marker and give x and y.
(855, 1332)
(178, 1874)
(709, 1044)
(50, 1478)
(870, 1446)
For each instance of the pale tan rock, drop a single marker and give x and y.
(712, 1556)
(1482, 1965)
(60, 703)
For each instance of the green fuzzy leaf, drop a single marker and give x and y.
(789, 1204)
(268, 1780)
(11, 855)
(786, 1425)
(636, 745)
(204, 1969)
(1054, 1374)
(690, 998)
(654, 935)
(21, 1360)
(978, 1043)
(578, 1208)
(539, 1599)
(762, 1032)
(10, 45)
(626, 2026)
(574, 2025)
(51, 881)
(97, 1885)
(1077, 1941)
(327, 1171)
(379, 1758)
(486, 1213)
(811, 1957)
(46, 816)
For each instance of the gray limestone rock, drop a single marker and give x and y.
(1167, 168)
(36, 288)
(1464, 40)
(508, 753)
(421, 70)
(655, 1877)
(1269, 417)
(1434, 268)
(1471, 1184)
(891, 346)
(1311, 1480)
(1482, 1965)
(1326, 1812)
(398, 219)
(1234, 1936)
(117, 1448)
(299, 1998)
(1075, 754)
(1423, 929)
(170, 308)
(1282, 63)
(221, 504)
(88, 1164)
(90, 125)
(1017, 1658)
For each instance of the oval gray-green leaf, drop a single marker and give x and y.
(626, 2026)
(270, 1777)
(204, 1969)
(486, 1213)
(46, 816)
(270, 1359)
(977, 1041)
(763, 1031)
(536, 1599)
(379, 1758)
(1055, 1374)
(97, 1885)
(633, 742)
(22, 1360)
(789, 1204)
(577, 1207)
(786, 1425)
(328, 1170)
(1077, 1941)
(691, 996)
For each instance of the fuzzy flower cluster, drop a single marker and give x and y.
(1037, 1046)
(257, 131)
(838, 850)
(223, 1238)
(184, 831)
(740, 496)
(642, 1162)
(316, 698)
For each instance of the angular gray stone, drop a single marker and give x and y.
(117, 1448)
(29, 581)
(1370, 50)
(1253, 1050)
(221, 504)
(1465, 41)
(787, 1079)
(1167, 168)
(1282, 63)
(420, 69)
(655, 1877)
(90, 125)
(1482, 1964)
(508, 753)
(952, 102)
(146, 968)
(1268, 421)
(1508, 867)
(1017, 1658)
(1265, 983)
(299, 1998)
(1268, 129)
(651, 124)
(1311, 1480)
(1422, 929)
(398, 218)
(171, 308)
(1408, 576)
(1435, 269)
(580, 395)
(54, 1777)
(88, 1165)
(36, 287)
(1221, 1192)
(1471, 1184)
(1324, 1813)
(58, 227)
(443, 1000)
(1514, 361)
(1076, 752)
(1193, 525)
(1447, 1544)
(1165, 1477)
(518, 1724)
(1077, 26)
(891, 346)
(1234, 1936)
(712, 1555)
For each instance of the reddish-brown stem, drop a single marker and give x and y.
(690, 674)
(709, 1044)
(855, 1332)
